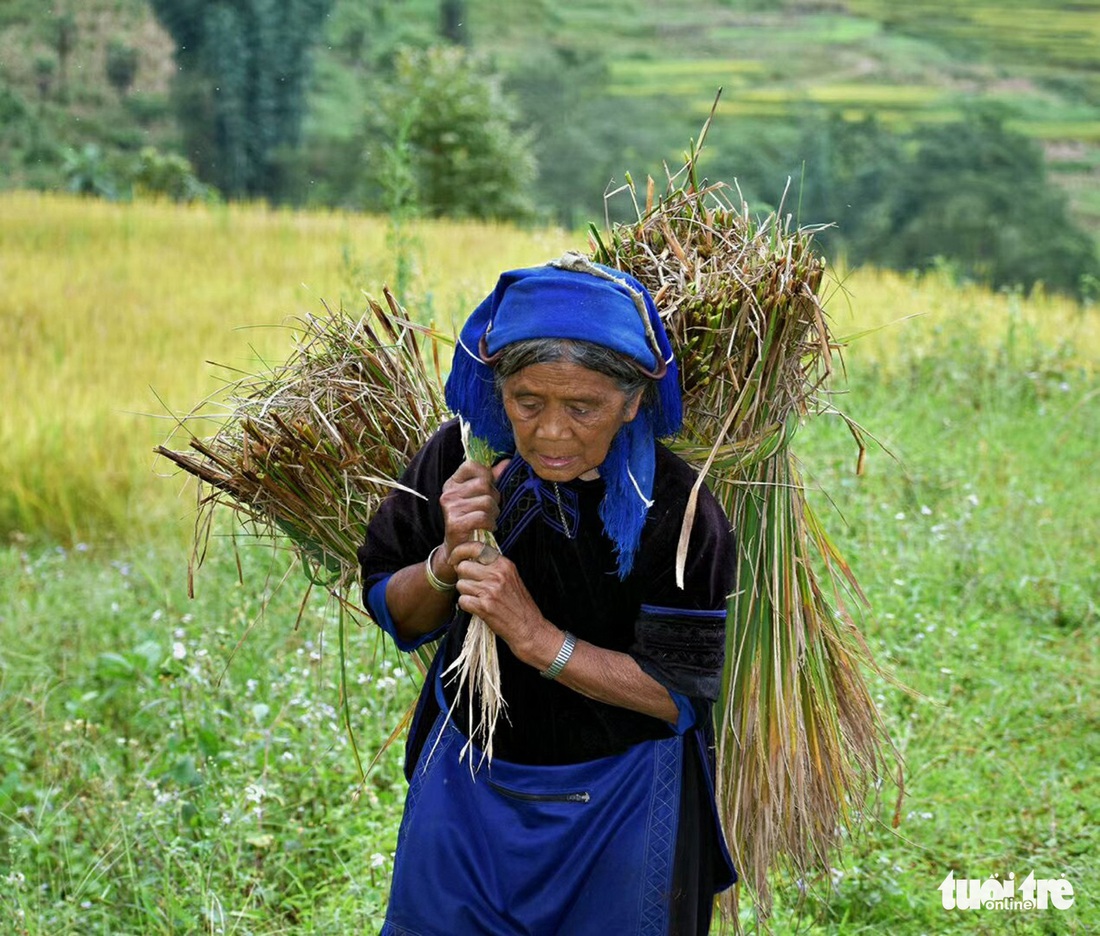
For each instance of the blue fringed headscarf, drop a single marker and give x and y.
(573, 298)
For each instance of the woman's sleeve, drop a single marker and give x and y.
(408, 525)
(680, 634)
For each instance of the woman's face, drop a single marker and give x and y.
(564, 417)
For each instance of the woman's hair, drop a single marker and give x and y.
(621, 369)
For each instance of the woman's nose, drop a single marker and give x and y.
(553, 425)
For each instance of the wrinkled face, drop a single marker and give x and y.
(564, 417)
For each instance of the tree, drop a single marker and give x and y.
(87, 172)
(847, 172)
(241, 89)
(155, 174)
(452, 18)
(456, 125)
(121, 66)
(63, 33)
(44, 70)
(971, 193)
(581, 137)
(978, 195)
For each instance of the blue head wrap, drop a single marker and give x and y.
(573, 298)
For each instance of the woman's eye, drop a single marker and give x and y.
(578, 410)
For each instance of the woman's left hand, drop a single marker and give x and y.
(492, 589)
(489, 586)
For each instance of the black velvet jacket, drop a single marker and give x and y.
(677, 636)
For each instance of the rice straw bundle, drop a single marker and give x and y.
(799, 737)
(311, 448)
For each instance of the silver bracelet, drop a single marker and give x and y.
(566, 651)
(434, 580)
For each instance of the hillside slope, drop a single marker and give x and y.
(1037, 62)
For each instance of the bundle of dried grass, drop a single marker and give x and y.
(799, 738)
(310, 448)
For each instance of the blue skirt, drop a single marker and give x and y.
(518, 850)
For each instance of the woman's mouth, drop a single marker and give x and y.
(561, 461)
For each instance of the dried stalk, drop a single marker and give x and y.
(477, 666)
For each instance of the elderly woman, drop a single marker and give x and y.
(596, 814)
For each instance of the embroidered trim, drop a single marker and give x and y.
(683, 650)
(659, 611)
(524, 497)
(664, 817)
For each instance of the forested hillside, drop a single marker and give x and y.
(984, 114)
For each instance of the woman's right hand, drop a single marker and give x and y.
(470, 502)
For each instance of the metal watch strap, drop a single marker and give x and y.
(566, 651)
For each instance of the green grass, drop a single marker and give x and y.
(154, 779)
(823, 30)
(974, 549)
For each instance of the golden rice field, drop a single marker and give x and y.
(111, 314)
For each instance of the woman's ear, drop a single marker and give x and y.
(631, 407)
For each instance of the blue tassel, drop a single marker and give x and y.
(624, 507)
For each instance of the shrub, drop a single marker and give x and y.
(447, 110)
(168, 174)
